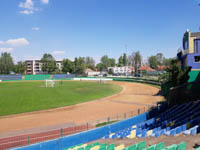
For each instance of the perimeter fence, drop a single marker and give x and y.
(33, 137)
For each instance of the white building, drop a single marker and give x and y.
(125, 70)
(91, 73)
(35, 66)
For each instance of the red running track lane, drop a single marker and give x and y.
(22, 140)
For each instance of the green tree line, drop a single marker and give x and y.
(7, 66)
(79, 64)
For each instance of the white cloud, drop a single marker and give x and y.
(15, 42)
(35, 28)
(44, 1)
(58, 52)
(18, 42)
(6, 49)
(27, 12)
(28, 7)
(28, 4)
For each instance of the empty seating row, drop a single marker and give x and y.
(179, 119)
(138, 146)
(10, 77)
(63, 76)
(37, 77)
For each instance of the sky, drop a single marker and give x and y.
(73, 28)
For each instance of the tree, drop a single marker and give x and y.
(90, 62)
(107, 62)
(79, 65)
(48, 63)
(6, 63)
(111, 62)
(20, 67)
(160, 58)
(120, 62)
(125, 59)
(135, 59)
(167, 61)
(67, 66)
(153, 62)
(174, 74)
(99, 67)
(175, 77)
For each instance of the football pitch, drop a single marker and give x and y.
(20, 97)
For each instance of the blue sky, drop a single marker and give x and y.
(72, 28)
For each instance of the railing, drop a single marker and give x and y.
(139, 80)
(31, 138)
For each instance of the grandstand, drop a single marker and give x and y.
(178, 120)
(10, 77)
(63, 76)
(37, 77)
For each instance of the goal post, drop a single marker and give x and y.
(49, 83)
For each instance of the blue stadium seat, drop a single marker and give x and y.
(175, 120)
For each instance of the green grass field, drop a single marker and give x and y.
(22, 97)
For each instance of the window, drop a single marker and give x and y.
(196, 45)
(186, 45)
(197, 58)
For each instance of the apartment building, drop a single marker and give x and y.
(125, 70)
(35, 66)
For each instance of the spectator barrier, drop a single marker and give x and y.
(84, 137)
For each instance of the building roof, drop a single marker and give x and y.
(160, 68)
(146, 68)
(88, 70)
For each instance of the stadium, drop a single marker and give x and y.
(109, 109)
(136, 130)
(69, 79)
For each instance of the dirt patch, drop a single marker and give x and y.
(132, 97)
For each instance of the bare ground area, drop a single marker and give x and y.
(132, 97)
(191, 141)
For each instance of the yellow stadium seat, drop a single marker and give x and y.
(134, 126)
(133, 134)
(111, 135)
(149, 132)
(77, 147)
(188, 125)
(95, 147)
(120, 147)
(172, 123)
(84, 145)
